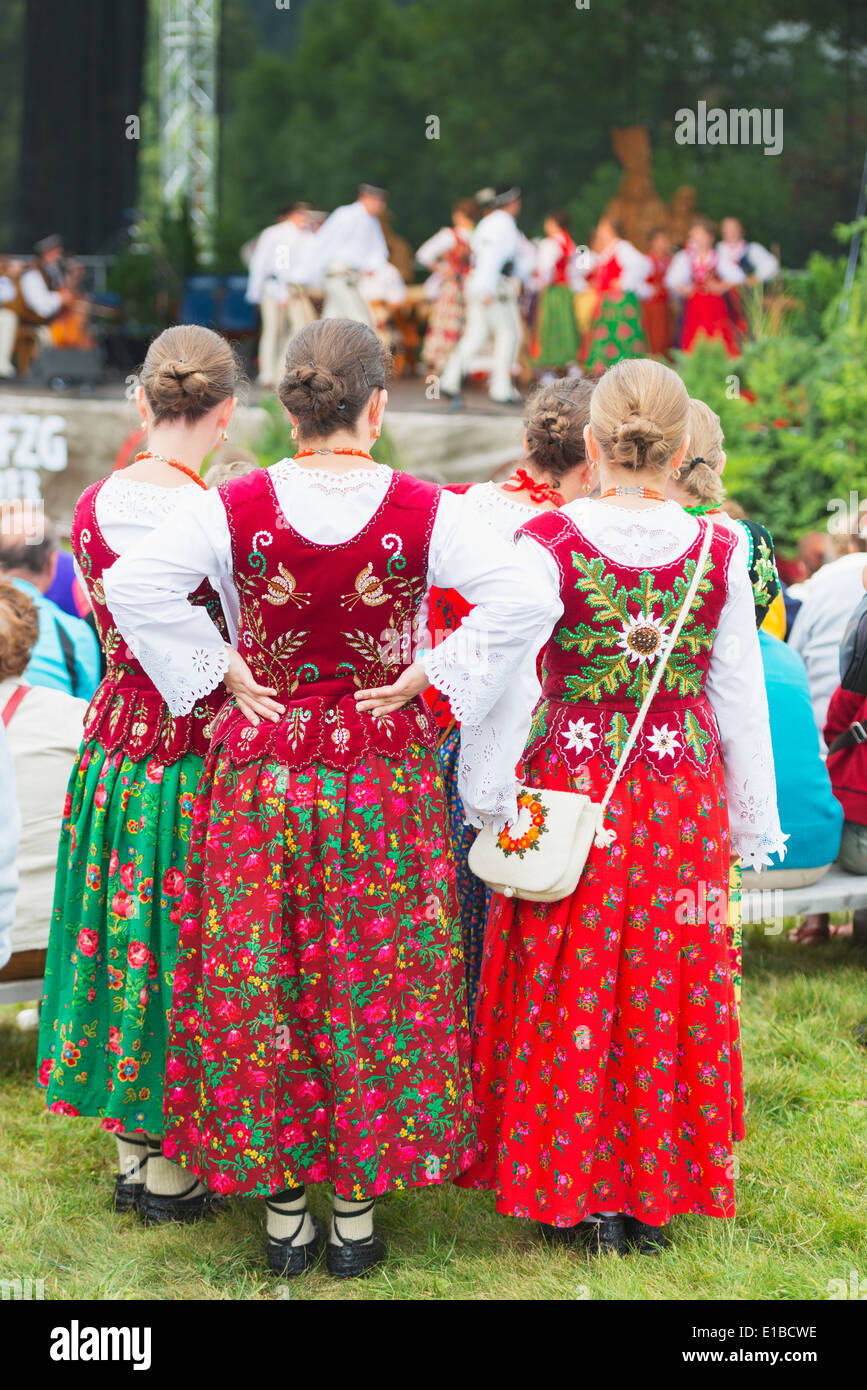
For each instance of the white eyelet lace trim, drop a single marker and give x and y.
(123, 499)
(327, 481)
(182, 685)
(471, 676)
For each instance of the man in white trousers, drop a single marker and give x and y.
(349, 245)
(492, 302)
(271, 277)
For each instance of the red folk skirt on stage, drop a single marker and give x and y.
(606, 1066)
(708, 314)
(656, 316)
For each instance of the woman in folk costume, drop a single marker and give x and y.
(447, 254)
(606, 1065)
(656, 308)
(556, 471)
(702, 278)
(320, 1029)
(556, 341)
(619, 279)
(128, 814)
(699, 490)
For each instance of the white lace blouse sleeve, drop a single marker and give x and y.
(488, 667)
(736, 690)
(147, 592)
(679, 273)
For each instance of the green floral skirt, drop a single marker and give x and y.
(111, 955)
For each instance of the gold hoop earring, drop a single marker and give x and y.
(294, 432)
(224, 438)
(376, 431)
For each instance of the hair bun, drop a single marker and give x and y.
(638, 443)
(313, 390)
(179, 386)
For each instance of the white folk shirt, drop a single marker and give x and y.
(276, 262)
(43, 301)
(435, 249)
(764, 264)
(350, 239)
(735, 687)
(147, 592)
(495, 243)
(829, 600)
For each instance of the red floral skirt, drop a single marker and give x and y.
(319, 1015)
(606, 1062)
(708, 314)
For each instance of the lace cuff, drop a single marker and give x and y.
(755, 850)
(182, 675)
(468, 673)
(755, 828)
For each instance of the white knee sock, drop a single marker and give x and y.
(350, 1220)
(132, 1156)
(283, 1211)
(167, 1179)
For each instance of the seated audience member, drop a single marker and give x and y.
(67, 589)
(847, 766)
(43, 733)
(10, 825)
(809, 812)
(827, 604)
(67, 654)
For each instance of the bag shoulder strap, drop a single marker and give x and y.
(68, 651)
(661, 664)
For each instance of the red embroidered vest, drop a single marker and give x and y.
(127, 710)
(318, 622)
(600, 660)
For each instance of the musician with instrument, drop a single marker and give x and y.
(48, 303)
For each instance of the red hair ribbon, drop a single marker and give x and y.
(522, 481)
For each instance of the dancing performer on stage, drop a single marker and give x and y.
(703, 277)
(447, 255)
(557, 342)
(492, 301)
(273, 284)
(128, 814)
(619, 279)
(320, 1029)
(757, 264)
(349, 245)
(656, 308)
(606, 1061)
(555, 471)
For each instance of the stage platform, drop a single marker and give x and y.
(54, 443)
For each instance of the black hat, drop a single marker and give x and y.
(372, 190)
(48, 243)
(505, 193)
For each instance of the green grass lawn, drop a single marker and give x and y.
(802, 1190)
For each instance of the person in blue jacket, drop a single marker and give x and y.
(810, 814)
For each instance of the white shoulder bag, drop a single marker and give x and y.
(544, 853)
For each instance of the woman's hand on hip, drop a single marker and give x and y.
(252, 699)
(385, 699)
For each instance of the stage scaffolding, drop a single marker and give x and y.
(188, 45)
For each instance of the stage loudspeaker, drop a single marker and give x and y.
(82, 81)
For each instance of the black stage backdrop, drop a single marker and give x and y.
(82, 79)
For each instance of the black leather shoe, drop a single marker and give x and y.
(648, 1240)
(354, 1258)
(351, 1259)
(127, 1195)
(288, 1260)
(604, 1236)
(155, 1210)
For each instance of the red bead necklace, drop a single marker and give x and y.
(356, 453)
(172, 463)
(522, 481)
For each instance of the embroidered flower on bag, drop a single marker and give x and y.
(663, 741)
(579, 736)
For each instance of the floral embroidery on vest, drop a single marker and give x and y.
(601, 659)
(378, 577)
